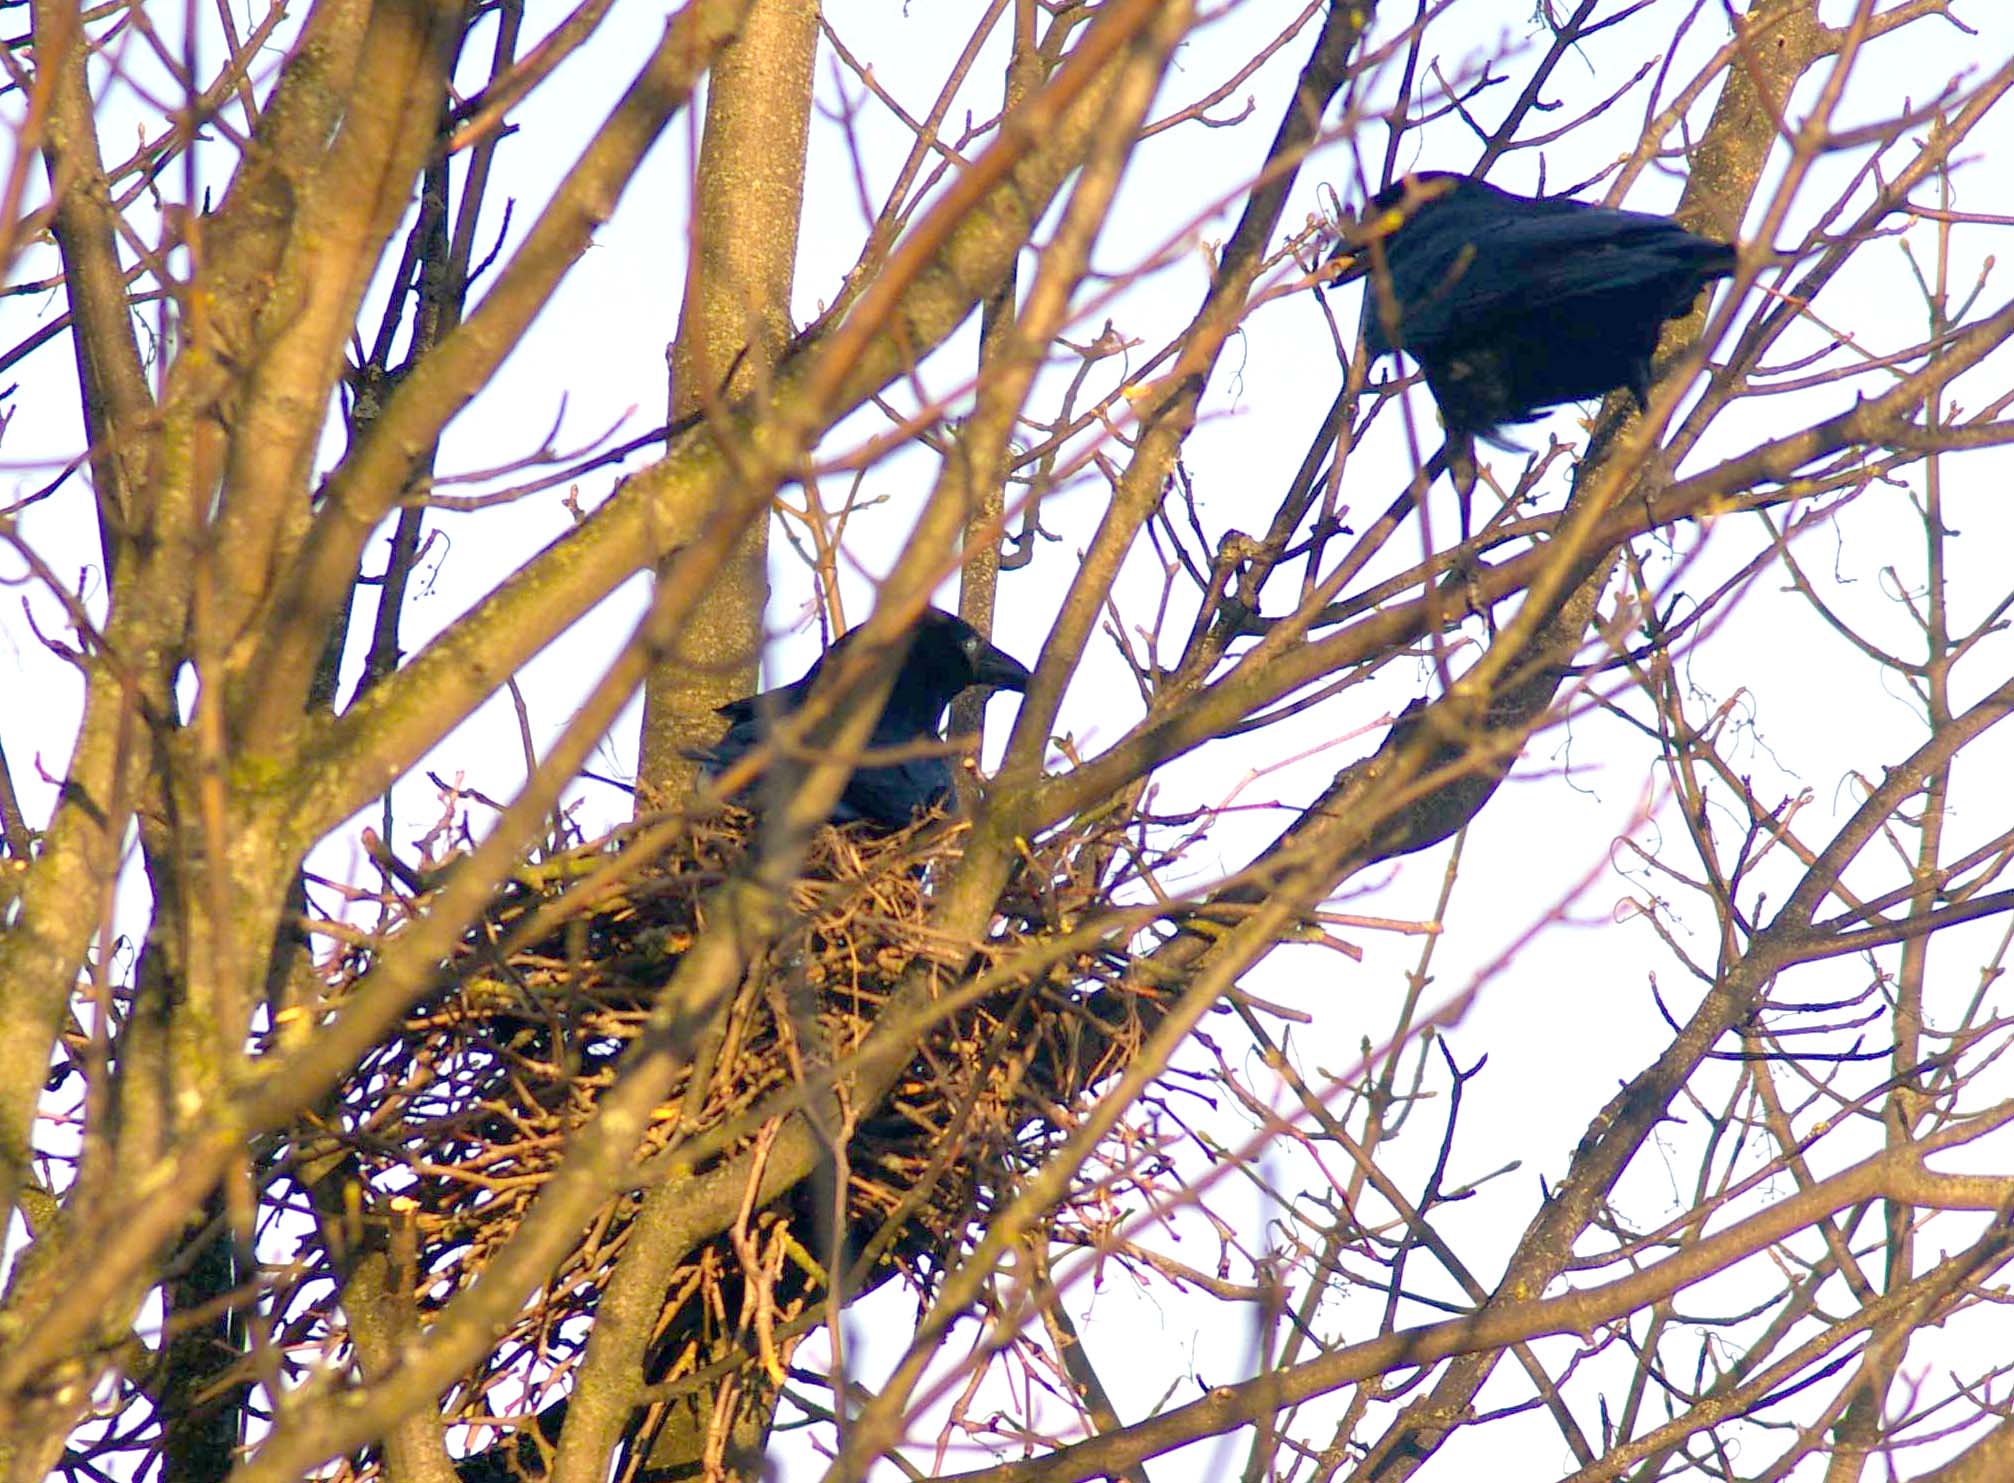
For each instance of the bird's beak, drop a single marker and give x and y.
(1000, 670)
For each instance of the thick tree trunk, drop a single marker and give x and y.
(733, 327)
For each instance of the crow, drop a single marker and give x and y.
(946, 655)
(1512, 304)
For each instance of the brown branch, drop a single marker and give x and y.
(1508, 1322)
(349, 760)
(117, 403)
(292, 627)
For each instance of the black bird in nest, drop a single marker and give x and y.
(946, 656)
(1513, 304)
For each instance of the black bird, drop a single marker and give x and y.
(1512, 304)
(947, 655)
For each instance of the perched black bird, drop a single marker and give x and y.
(947, 655)
(1512, 304)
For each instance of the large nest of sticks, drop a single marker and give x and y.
(459, 1118)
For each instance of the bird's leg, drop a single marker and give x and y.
(1461, 454)
(1462, 474)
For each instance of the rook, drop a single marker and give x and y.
(947, 655)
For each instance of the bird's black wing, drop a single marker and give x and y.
(740, 738)
(1456, 274)
(748, 723)
(890, 796)
(743, 713)
(894, 795)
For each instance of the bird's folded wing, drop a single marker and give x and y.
(894, 794)
(1454, 285)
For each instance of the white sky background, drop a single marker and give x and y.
(1572, 1015)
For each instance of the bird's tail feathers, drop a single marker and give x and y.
(1494, 436)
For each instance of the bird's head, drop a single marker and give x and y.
(1385, 215)
(946, 655)
(951, 655)
(1395, 205)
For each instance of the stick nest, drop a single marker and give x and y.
(457, 1121)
